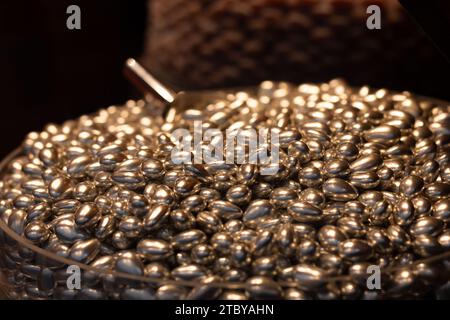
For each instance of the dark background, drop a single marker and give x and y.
(49, 73)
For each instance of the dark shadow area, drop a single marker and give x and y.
(49, 73)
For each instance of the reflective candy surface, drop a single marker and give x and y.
(362, 180)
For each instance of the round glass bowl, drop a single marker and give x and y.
(30, 271)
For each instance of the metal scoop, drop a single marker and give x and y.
(173, 102)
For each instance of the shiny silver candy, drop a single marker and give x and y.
(209, 222)
(105, 227)
(445, 173)
(163, 195)
(424, 149)
(337, 168)
(152, 169)
(399, 238)
(207, 290)
(379, 212)
(171, 292)
(85, 191)
(87, 215)
(262, 288)
(364, 180)
(351, 226)
(429, 170)
(403, 281)
(223, 180)
(225, 209)
(139, 205)
(426, 245)
(310, 176)
(120, 241)
(347, 150)
(156, 217)
(182, 219)
(233, 295)
(330, 237)
(235, 275)
(313, 196)
(60, 187)
(404, 212)
(356, 209)
(441, 210)
(129, 262)
(262, 190)
(256, 210)
(131, 165)
(302, 211)
(182, 259)
(263, 243)
(65, 206)
(209, 194)
(308, 277)
(37, 232)
(102, 263)
(411, 185)
(239, 195)
(186, 185)
(444, 240)
(240, 255)
(23, 202)
(366, 163)
(221, 265)
(138, 294)
(385, 134)
(302, 230)
(379, 240)
(131, 226)
(427, 226)
(265, 266)
(68, 232)
(355, 250)
(154, 249)
(221, 242)
(437, 190)
(295, 294)
(307, 251)
(77, 166)
(247, 174)
(422, 205)
(280, 197)
(17, 221)
(129, 179)
(330, 262)
(202, 254)
(193, 203)
(339, 190)
(188, 239)
(233, 225)
(156, 270)
(84, 250)
(285, 239)
(188, 272)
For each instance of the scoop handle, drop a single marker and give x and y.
(146, 82)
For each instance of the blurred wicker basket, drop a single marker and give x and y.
(215, 43)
